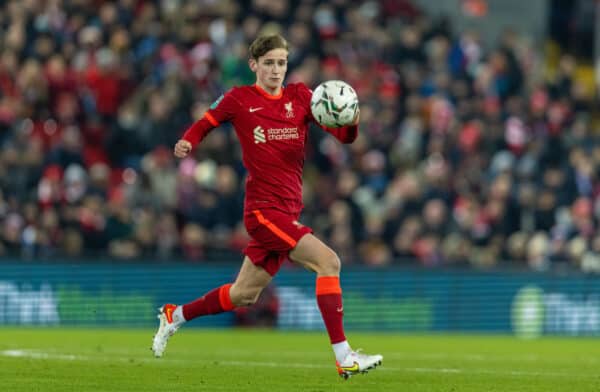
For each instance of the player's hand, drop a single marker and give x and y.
(182, 148)
(356, 117)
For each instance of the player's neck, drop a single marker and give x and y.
(273, 93)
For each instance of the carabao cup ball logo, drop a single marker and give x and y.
(334, 104)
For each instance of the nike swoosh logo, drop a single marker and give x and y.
(169, 312)
(340, 309)
(252, 110)
(353, 368)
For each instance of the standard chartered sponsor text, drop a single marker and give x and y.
(283, 133)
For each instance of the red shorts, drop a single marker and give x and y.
(273, 234)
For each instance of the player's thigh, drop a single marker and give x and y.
(274, 230)
(313, 254)
(251, 278)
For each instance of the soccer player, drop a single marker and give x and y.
(271, 122)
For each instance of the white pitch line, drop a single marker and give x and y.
(40, 355)
(431, 357)
(36, 354)
(388, 355)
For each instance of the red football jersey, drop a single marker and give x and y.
(272, 131)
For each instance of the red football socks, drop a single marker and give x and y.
(329, 299)
(213, 302)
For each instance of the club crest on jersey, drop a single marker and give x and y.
(289, 111)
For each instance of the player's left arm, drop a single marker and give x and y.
(346, 134)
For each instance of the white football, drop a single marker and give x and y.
(334, 103)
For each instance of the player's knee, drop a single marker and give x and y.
(248, 297)
(331, 264)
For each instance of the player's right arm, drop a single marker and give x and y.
(222, 110)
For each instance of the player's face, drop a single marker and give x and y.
(270, 69)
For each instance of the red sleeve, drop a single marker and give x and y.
(198, 130)
(345, 134)
(222, 110)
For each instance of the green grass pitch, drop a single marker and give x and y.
(57, 359)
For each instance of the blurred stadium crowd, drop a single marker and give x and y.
(468, 155)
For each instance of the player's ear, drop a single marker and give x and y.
(253, 64)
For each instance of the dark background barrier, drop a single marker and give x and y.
(398, 300)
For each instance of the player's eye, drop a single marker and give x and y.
(282, 63)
